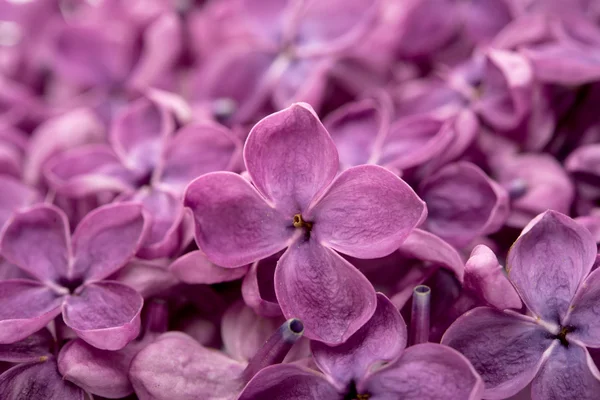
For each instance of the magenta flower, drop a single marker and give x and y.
(68, 274)
(287, 51)
(549, 265)
(148, 162)
(296, 202)
(354, 369)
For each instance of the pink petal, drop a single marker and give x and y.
(381, 339)
(583, 312)
(37, 381)
(356, 129)
(176, 366)
(16, 195)
(485, 277)
(162, 47)
(106, 239)
(289, 381)
(31, 348)
(569, 373)
(164, 214)
(506, 349)
(548, 262)
(70, 130)
(291, 158)
(25, 307)
(194, 268)
(331, 297)
(137, 134)
(245, 332)
(234, 225)
(105, 314)
(88, 170)
(463, 203)
(367, 212)
(258, 288)
(427, 370)
(37, 240)
(197, 149)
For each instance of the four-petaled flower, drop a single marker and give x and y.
(69, 274)
(549, 265)
(295, 201)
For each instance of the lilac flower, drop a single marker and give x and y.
(549, 265)
(463, 203)
(294, 202)
(149, 163)
(36, 374)
(354, 369)
(68, 274)
(290, 48)
(535, 183)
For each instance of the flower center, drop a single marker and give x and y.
(353, 395)
(299, 222)
(70, 284)
(562, 335)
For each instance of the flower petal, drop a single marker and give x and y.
(31, 348)
(327, 27)
(565, 63)
(427, 370)
(244, 332)
(355, 129)
(506, 349)
(569, 373)
(106, 239)
(194, 268)
(584, 314)
(101, 372)
(381, 339)
(69, 130)
(88, 170)
(162, 48)
(25, 307)
(176, 366)
(548, 262)
(291, 158)
(37, 240)
(536, 183)
(463, 203)
(37, 381)
(367, 212)
(137, 134)
(164, 213)
(197, 149)
(485, 277)
(289, 381)
(234, 225)
(331, 297)
(15, 195)
(414, 140)
(105, 314)
(258, 288)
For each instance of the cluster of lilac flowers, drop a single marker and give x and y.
(299, 199)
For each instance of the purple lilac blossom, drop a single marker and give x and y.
(549, 266)
(294, 202)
